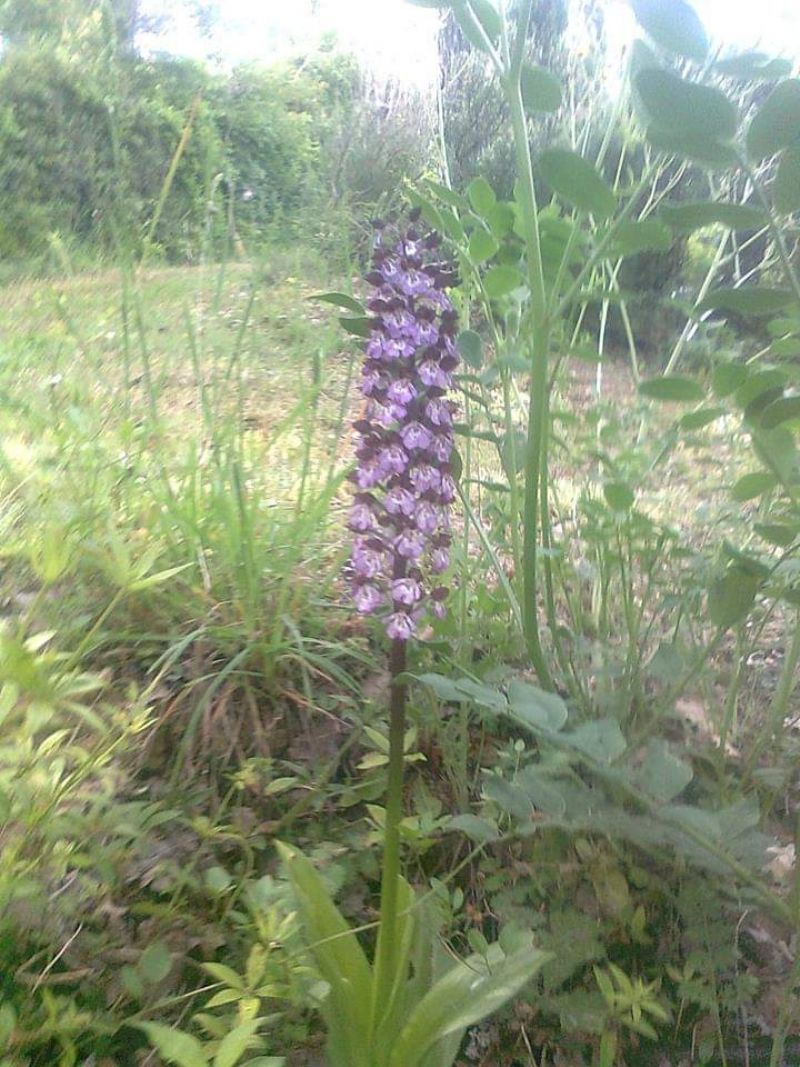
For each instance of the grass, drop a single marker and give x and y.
(173, 453)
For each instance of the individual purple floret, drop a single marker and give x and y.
(400, 517)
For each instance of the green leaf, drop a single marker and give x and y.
(481, 196)
(754, 66)
(601, 739)
(155, 962)
(466, 994)
(542, 792)
(764, 381)
(696, 420)
(509, 797)
(618, 496)
(783, 410)
(444, 688)
(235, 1043)
(786, 187)
(673, 388)
(682, 108)
(501, 280)
(775, 533)
(716, 155)
(776, 124)
(541, 90)
(727, 378)
(174, 1046)
(698, 214)
(483, 695)
(470, 346)
(334, 946)
(536, 708)
(662, 775)
(475, 828)
(747, 301)
(358, 327)
(749, 486)
(633, 237)
(731, 597)
(488, 17)
(500, 219)
(577, 181)
(342, 300)
(482, 246)
(674, 25)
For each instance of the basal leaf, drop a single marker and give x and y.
(663, 775)
(600, 739)
(475, 828)
(577, 181)
(465, 995)
(332, 943)
(358, 327)
(673, 388)
(674, 25)
(541, 90)
(536, 708)
(776, 124)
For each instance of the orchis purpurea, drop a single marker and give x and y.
(404, 485)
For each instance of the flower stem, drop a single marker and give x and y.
(386, 949)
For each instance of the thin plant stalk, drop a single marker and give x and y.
(386, 949)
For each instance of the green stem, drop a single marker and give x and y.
(538, 401)
(386, 949)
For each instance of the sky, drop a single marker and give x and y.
(398, 38)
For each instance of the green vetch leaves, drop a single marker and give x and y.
(786, 186)
(674, 25)
(487, 17)
(174, 1046)
(697, 215)
(541, 90)
(731, 597)
(482, 246)
(481, 196)
(577, 181)
(776, 125)
(784, 409)
(470, 346)
(647, 236)
(673, 388)
(685, 110)
(754, 66)
(618, 496)
(747, 301)
(501, 280)
(753, 485)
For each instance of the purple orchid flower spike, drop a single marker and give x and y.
(400, 518)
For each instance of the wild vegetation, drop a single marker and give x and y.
(247, 817)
